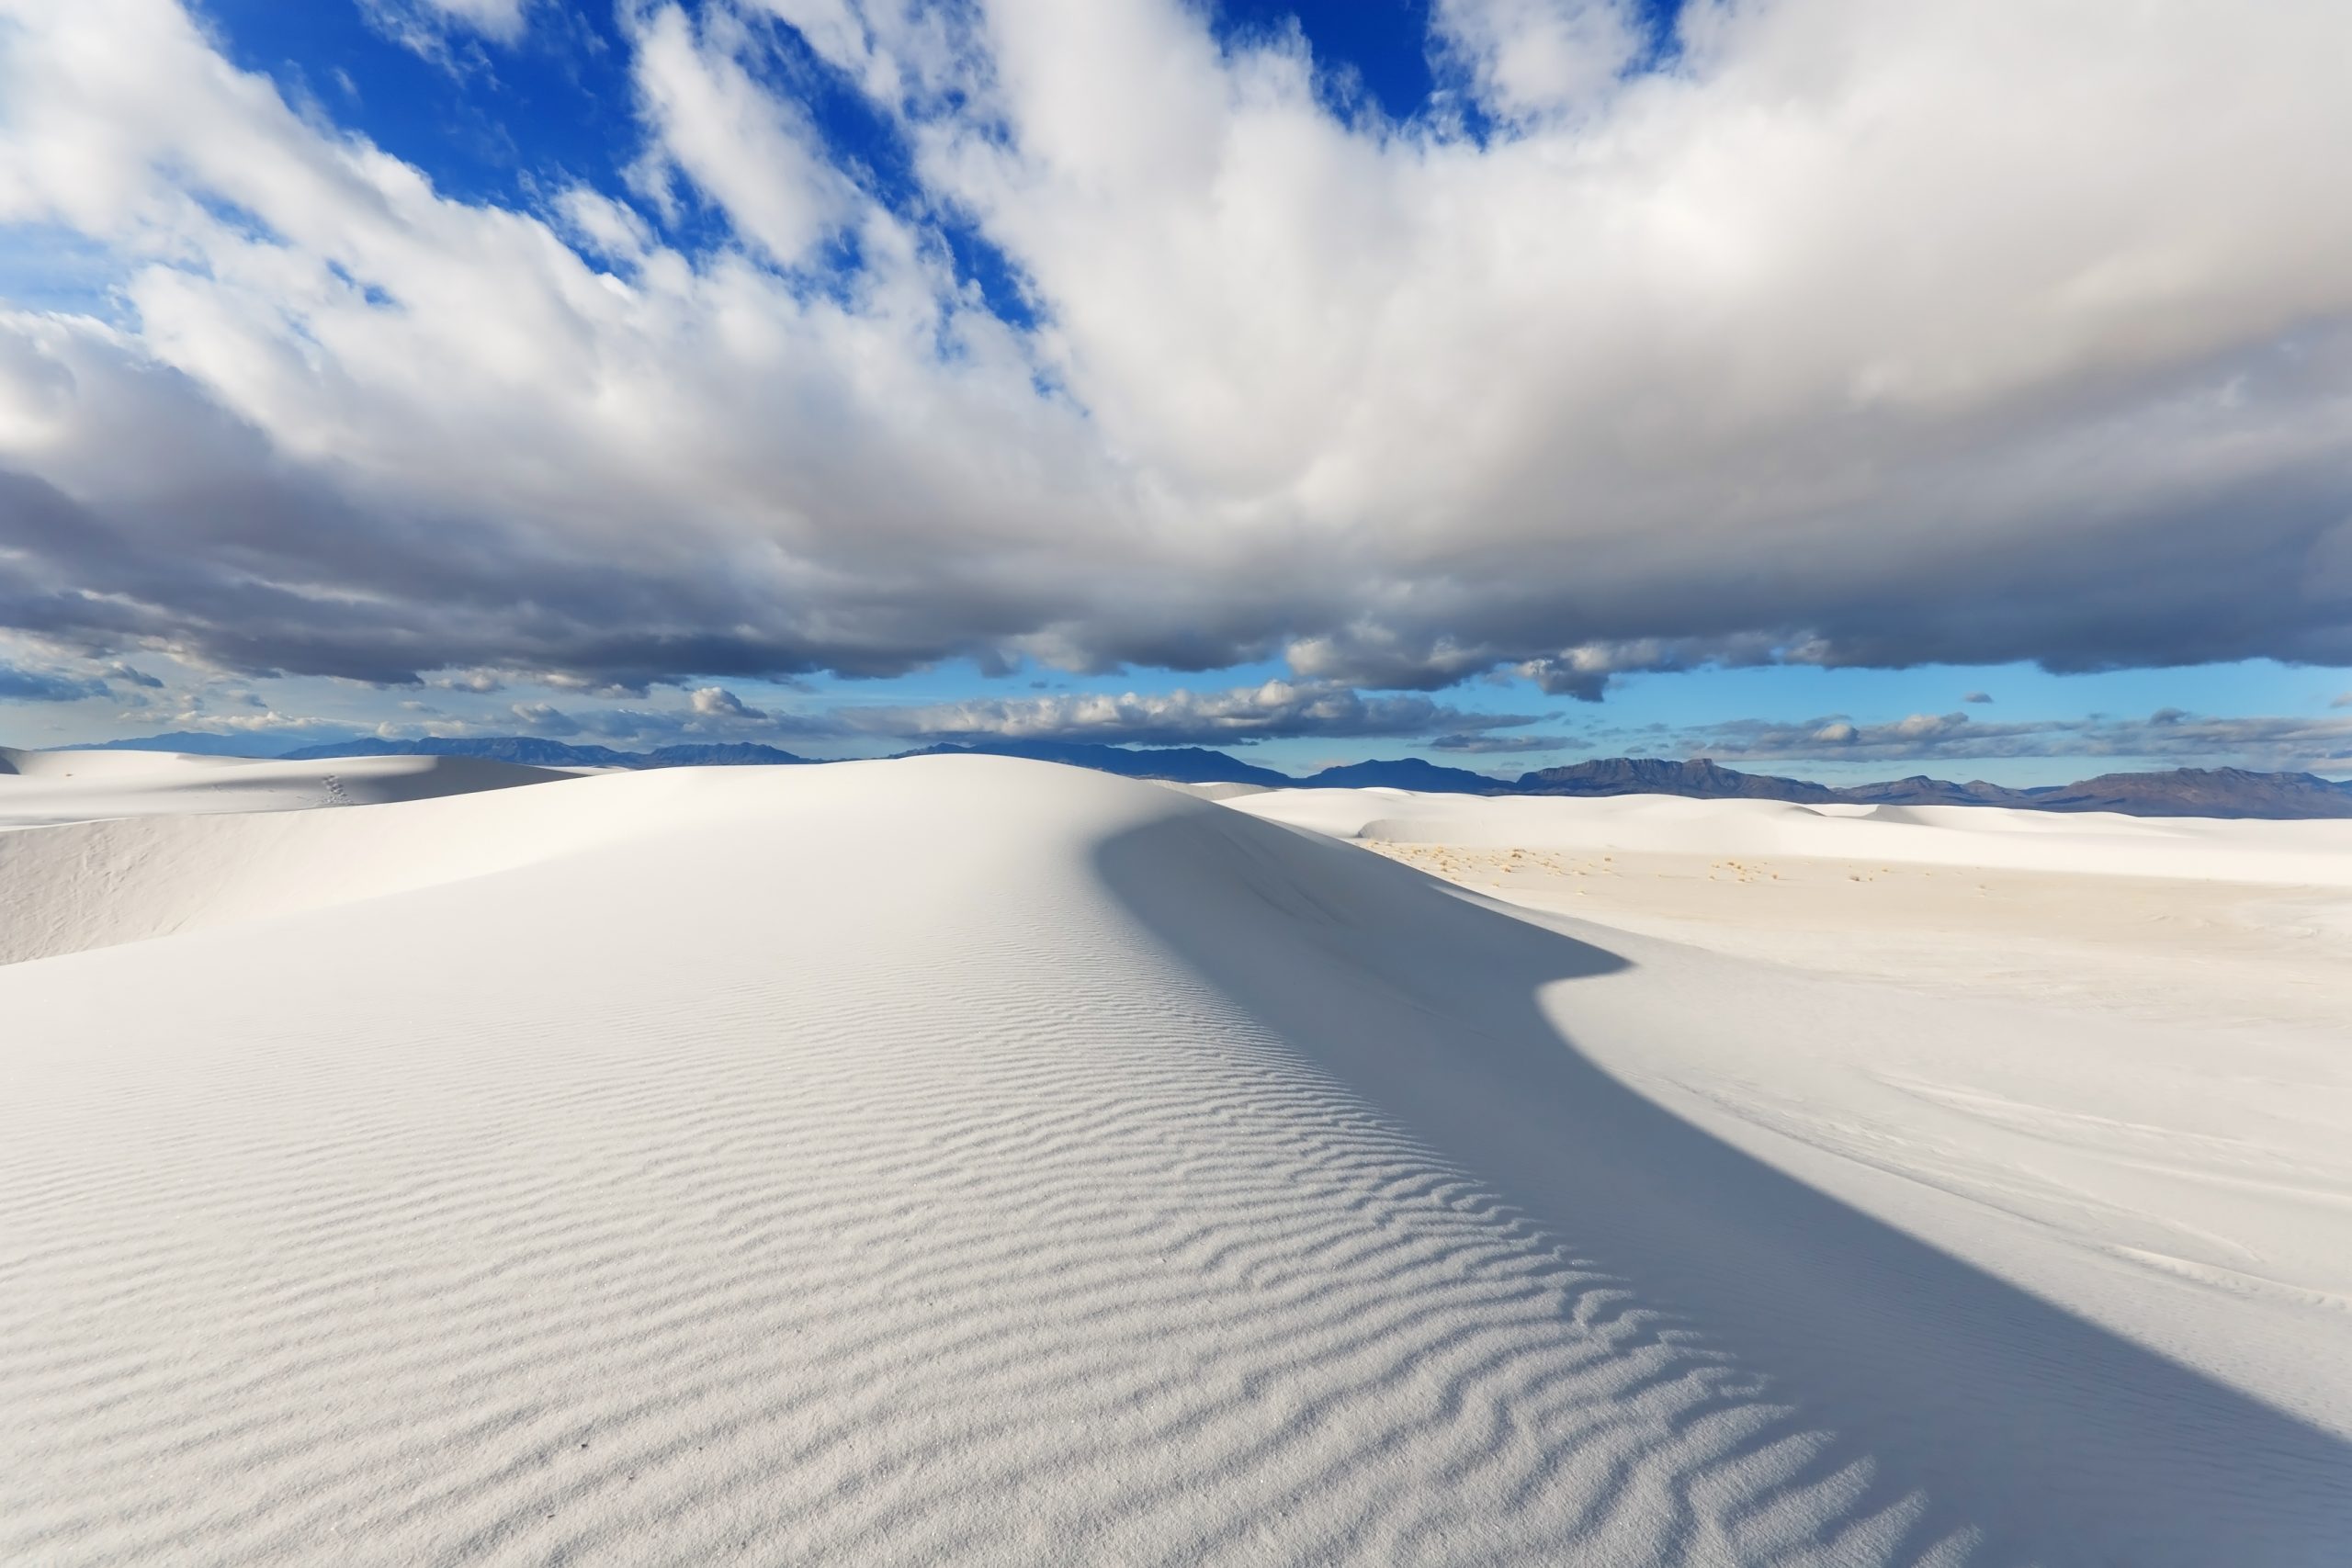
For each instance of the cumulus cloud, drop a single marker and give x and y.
(1585, 671)
(1277, 709)
(1532, 59)
(1662, 368)
(262, 720)
(546, 718)
(717, 702)
(1977, 697)
(706, 714)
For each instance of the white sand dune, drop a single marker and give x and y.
(2172, 920)
(961, 1159)
(42, 787)
(2103, 843)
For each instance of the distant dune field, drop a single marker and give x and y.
(970, 1160)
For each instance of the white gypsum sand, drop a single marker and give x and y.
(39, 788)
(960, 1159)
(2185, 919)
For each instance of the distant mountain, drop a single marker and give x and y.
(534, 752)
(1185, 764)
(1701, 780)
(716, 754)
(197, 742)
(2200, 791)
(1406, 773)
(1921, 790)
(528, 749)
(2182, 792)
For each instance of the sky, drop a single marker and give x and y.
(1829, 387)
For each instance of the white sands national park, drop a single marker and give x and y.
(969, 1160)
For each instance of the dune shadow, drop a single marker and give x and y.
(2013, 1429)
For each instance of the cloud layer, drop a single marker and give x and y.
(1276, 710)
(2167, 735)
(1852, 335)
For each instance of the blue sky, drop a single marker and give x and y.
(1332, 380)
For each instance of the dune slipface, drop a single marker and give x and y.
(971, 1160)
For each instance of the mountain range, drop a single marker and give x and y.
(532, 751)
(2181, 792)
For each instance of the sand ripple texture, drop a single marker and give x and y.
(963, 1160)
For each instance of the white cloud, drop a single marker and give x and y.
(1929, 726)
(429, 27)
(1865, 335)
(744, 147)
(499, 18)
(1527, 59)
(717, 702)
(602, 226)
(1273, 709)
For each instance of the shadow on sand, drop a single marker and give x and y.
(2016, 1430)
